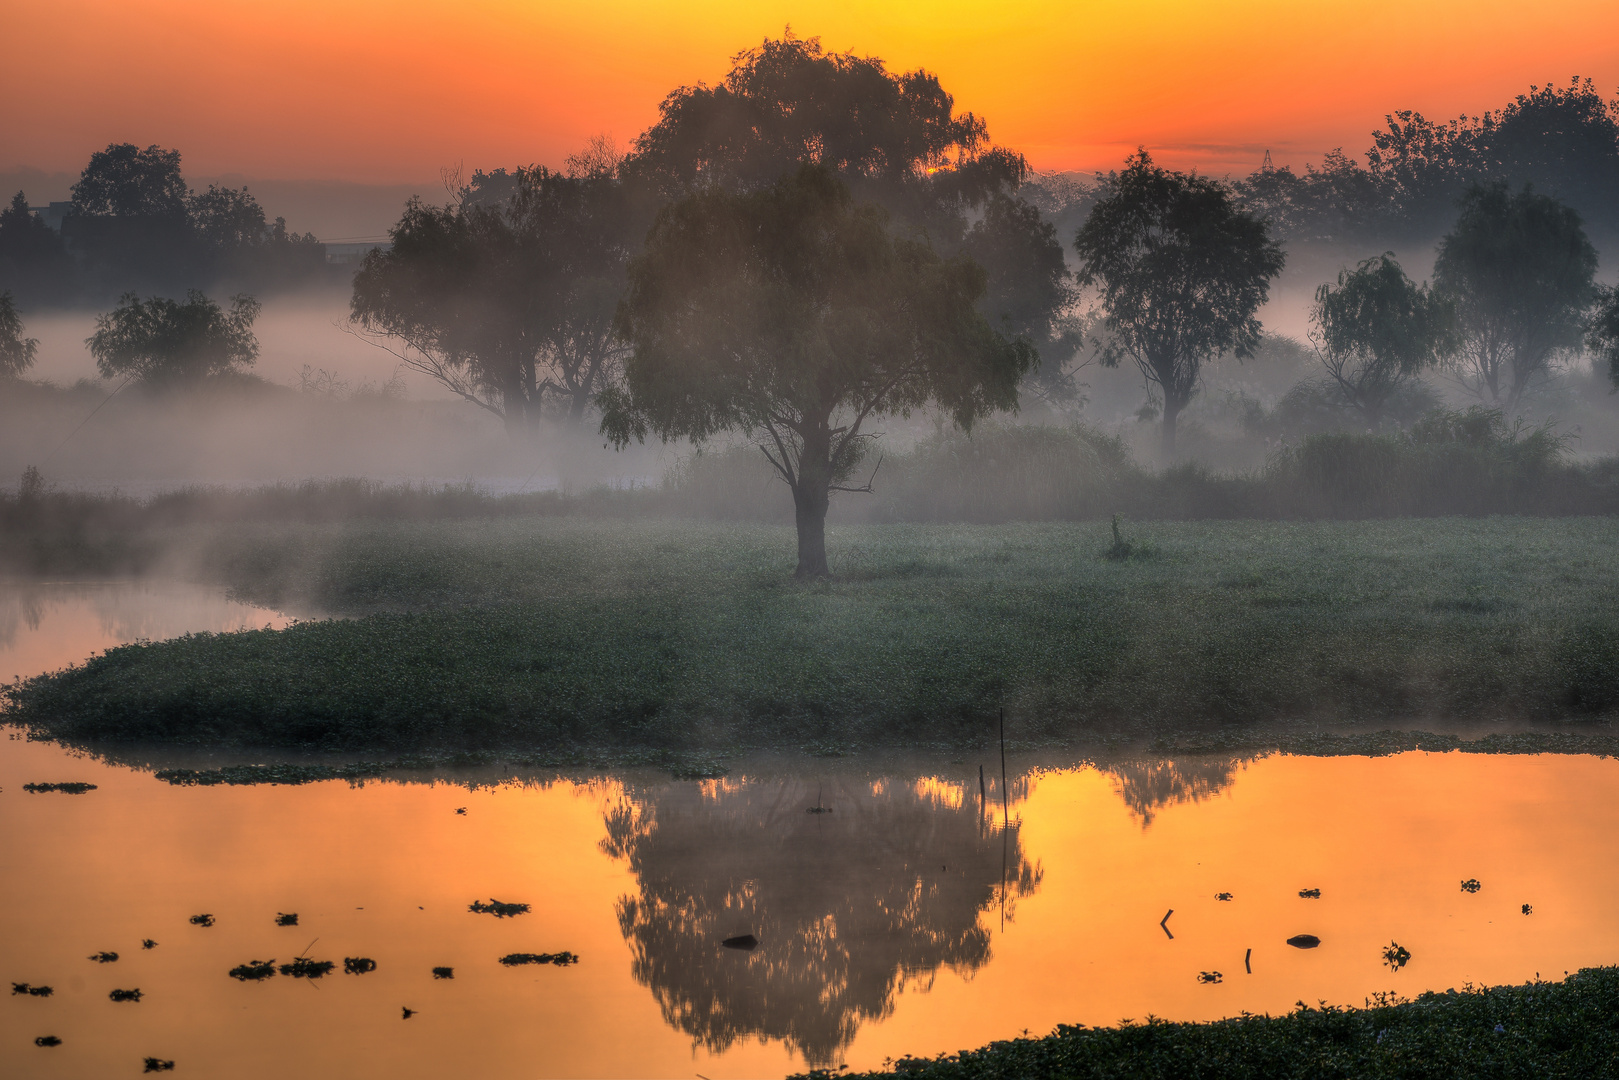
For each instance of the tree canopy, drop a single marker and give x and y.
(34, 263)
(1521, 272)
(788, 102)
(895, 139)
(125, 181)
(1377, 330)
(796, 315)
(1604, 331)
(1182, 273)
(16, 351)
(507, 298)
(164, 342)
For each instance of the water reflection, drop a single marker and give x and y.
(1149, 785)
(849, 907)
(45, 626)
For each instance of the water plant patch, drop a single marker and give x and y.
(498, 908)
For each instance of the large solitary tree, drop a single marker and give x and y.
(896, 139)
(164, 342)
(1182, 272)
(795, 315)
(1521, 272)
(1376, 331)
(507, 299)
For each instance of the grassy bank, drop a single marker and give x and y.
(542, 631)
(1541, 1029)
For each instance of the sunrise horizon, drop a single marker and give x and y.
(340, 95)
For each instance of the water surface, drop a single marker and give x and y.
(910, 919)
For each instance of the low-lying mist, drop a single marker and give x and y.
(319, 403)
(322, 403)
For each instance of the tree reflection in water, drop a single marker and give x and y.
(850, 907)
(1147, 785)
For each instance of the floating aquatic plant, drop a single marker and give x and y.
(444, 973)
(253, 971)
(561, 959)
(104, 957)
(1310, 894)
(125, 995)
(148, 943)
(158, 1065)
(31, 991)
(498, 908)
(284, 919)
(202, 920)
(1222, 896)
(71, 788)
(305, 968)
(358, 965)
(1396, 956)
(47, 1040)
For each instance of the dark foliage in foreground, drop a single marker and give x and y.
(1539, 1029)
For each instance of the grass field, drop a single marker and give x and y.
(1540, 1029)
(540, 631)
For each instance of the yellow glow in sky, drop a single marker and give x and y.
(373, 91)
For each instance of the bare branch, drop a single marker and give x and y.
(425, 363)
(867, 488)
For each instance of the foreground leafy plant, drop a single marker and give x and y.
(1533, 1030)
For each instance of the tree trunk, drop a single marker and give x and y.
(1172, 409)
(811, 496)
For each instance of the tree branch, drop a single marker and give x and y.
(867, 488)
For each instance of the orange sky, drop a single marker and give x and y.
(377, 91)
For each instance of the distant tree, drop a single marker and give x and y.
(128, 182)
(164, 342)
(1333, 203)
(794, 315)
(895, 139)
(34, 263)
(1030, 292)
(1521, 272)
(507, 301)
(1376, 331)
(130, 220)
(1603, 337)
(1564, 140)
(227, 219)
(16, 351)
(1182, 272)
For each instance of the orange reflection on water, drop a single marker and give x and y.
(880, 924)
(45, 626)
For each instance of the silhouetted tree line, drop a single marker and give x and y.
(1563, 140)
(134, 225)
(817, 242)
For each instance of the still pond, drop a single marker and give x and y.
(910, 918)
